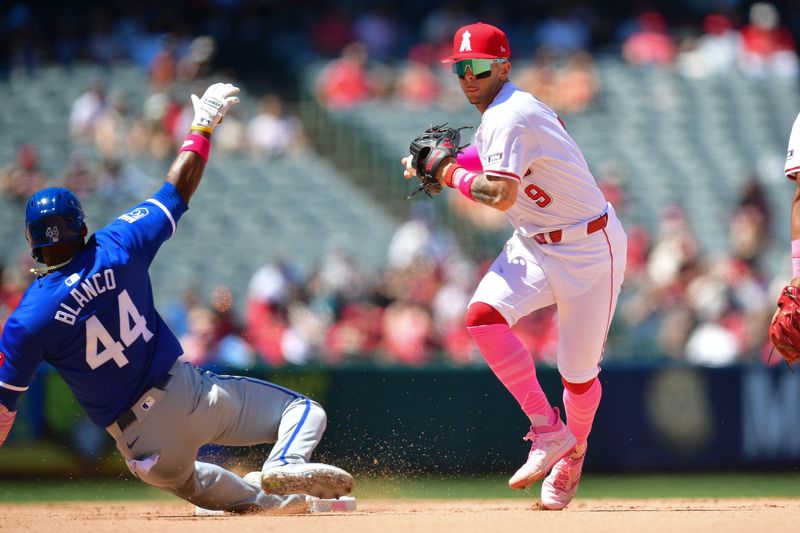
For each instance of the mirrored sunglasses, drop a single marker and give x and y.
(481, 68)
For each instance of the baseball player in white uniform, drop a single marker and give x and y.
(568, 249)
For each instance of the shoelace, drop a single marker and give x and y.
(535, 440)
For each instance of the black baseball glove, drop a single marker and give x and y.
(428, 152)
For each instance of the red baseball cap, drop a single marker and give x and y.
(479, 41)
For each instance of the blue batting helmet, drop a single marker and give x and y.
(53, 215)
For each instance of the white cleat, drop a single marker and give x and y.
(546, 450)
(305, 504)
(317, 479)
(279, 504)
(561, 485)
(292, 503)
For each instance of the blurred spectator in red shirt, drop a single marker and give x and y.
(265, 311)
(651, 45)
(767, 47)
(207, 341)
(417, 84)
(408, 333)
(22, 179)
(638, 248)
(356, 335)
(345, 83)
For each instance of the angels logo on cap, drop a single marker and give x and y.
(2, 358)
(479, 41)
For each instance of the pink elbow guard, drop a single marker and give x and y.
(469, 159)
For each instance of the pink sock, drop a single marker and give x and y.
(580, 410)
(513, 365)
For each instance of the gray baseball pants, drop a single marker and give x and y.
(199, 407)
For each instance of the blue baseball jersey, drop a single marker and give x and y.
(94, 319)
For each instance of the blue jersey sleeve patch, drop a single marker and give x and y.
(143, 229)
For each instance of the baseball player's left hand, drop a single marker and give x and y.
(214, 105)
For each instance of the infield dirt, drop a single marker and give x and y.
(411, 516)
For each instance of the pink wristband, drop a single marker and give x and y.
(462, 180)
(796, 258)
(197, 144)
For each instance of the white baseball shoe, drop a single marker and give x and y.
(292, 503)
(561, 485)
(546, 450)
(316, 479)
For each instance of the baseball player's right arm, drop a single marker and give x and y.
(145, 228)
(494, 191)
(187, 169)
(487, 189)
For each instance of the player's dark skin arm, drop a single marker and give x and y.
(498, 193)
(186, 171)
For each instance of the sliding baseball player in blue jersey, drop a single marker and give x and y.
(90, 314)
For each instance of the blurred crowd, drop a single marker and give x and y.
(677, 303)
(391, 49)
(116, 131)
(107, 131)
(106, 136)
(554, 60)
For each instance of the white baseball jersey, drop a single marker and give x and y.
(521, 138)
(792, 166)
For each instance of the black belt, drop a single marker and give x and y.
(129, 417)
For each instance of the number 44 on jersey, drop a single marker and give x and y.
(132, 325)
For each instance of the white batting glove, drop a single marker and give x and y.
(213, 106)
